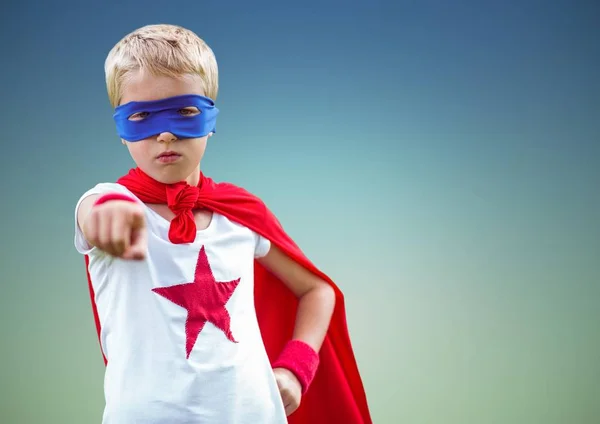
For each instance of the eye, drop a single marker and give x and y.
(189, 111)
(138, 116)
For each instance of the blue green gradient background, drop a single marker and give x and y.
(439, 159)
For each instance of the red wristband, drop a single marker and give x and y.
(112, 196)
(301, 359)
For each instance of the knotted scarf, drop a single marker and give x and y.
(182, 199)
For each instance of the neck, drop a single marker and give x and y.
(194, 178)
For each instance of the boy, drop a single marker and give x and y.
(206, 311)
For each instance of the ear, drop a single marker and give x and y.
(123, 142)
(210, 134)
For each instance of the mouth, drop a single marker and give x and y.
(167, 157)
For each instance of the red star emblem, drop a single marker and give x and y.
(204, 299)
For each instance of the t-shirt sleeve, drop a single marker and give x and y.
(263, 245)
(81, 243)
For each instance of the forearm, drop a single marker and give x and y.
(300, 355)
(315, 309)
(316, 302)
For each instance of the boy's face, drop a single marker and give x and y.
(164, 157)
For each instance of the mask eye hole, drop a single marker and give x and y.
(138, 116)
(189, 111)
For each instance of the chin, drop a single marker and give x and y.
(170, 177)
(167, 180)
(172, 174)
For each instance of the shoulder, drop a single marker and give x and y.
(223, 186)
(244, 207)
(104, 188)
(230, 192)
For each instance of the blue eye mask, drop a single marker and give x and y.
(165, 116)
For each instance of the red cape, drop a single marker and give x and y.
(336, 395)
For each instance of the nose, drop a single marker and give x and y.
(166, 137)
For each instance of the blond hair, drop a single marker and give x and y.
(165, 50)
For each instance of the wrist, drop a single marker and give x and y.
(112, 196)
(300, 359)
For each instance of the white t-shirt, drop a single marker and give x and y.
(146, 330)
